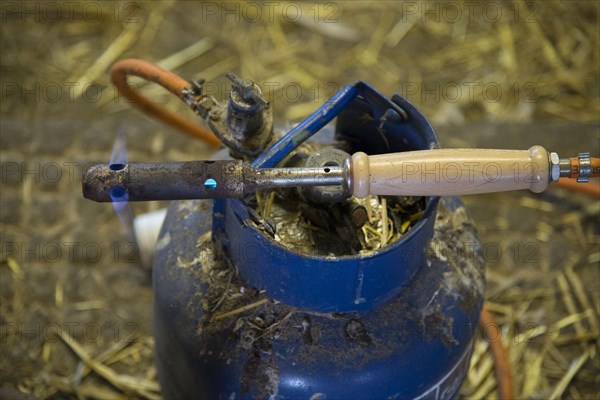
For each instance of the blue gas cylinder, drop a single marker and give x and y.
(238, 315)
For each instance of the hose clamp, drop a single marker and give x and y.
(585, 167)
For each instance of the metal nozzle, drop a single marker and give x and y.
(197, 180)
(165, 181)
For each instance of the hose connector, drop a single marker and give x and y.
(583, 167)
(554, 166)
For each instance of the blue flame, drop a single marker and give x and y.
(119, 152)
(118, 194)
(210, 183)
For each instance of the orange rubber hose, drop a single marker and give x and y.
(170, 81)
(501, 363)
(591, 188)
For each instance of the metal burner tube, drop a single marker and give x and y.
(198, 180)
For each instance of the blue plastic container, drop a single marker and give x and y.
(394, 324)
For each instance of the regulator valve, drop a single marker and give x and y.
(244, 123)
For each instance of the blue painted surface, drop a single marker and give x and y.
(417, 338)
(341, 283)
(326, 284)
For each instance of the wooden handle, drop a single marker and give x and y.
(449, 172)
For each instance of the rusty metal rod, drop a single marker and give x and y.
(196, 180)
